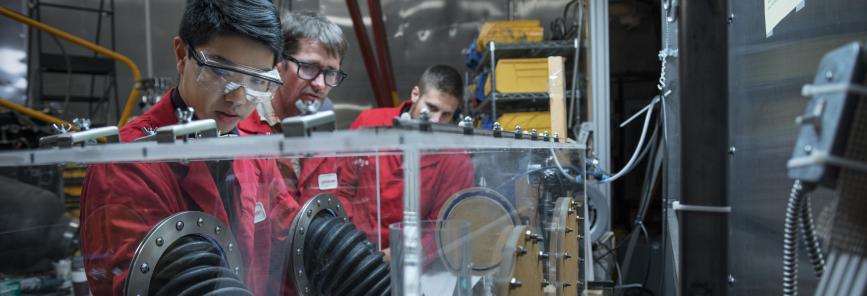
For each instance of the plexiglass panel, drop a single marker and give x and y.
(269, 215)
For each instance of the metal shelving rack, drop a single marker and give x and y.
(526, 50)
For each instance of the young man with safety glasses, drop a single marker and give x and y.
(225, 54)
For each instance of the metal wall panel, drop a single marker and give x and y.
(13, 55)
(765, 76)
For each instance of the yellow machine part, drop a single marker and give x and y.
(520, 76)
(541, 121)
(510, 32)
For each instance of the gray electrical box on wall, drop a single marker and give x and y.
(826, 122)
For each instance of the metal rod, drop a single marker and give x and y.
(80, 8)
(411, 222)
(31, 113)
(492, 47)
(148, 42)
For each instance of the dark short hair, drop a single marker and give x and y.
(254, 19)
(310, 25)
(442, 78)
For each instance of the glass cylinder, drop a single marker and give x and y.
(445, 262)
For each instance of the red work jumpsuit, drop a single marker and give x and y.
(441, 176)
(121, 202)
(332, 175)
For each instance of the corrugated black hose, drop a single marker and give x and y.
(341, 261)
(194, 265)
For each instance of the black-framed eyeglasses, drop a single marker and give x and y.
(310, 71)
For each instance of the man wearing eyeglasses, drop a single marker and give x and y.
(314, 48)
(225, 54)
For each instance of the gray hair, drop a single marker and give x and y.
(310, 25)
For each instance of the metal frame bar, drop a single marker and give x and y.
(492, 49)
(339, 143)
(600, 91)
(704, 133)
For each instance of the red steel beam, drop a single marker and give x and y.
(382, 52)
(376, 82)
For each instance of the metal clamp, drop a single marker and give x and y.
(303, 126)
(206, 128)
(818, 157)
(833, 88)
(677, 206)
(82, 137)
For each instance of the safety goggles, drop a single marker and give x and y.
(218, 74)
(309, 71)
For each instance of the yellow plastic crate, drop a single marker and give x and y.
(521, 76)
(541, 121)
(510, 32)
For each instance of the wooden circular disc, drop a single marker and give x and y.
(489, 215)
(521, 270)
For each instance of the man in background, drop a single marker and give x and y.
(438, 93)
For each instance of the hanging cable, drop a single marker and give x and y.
(790, 241)
(811, 241)
(648, 110)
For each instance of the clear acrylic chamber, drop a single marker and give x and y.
(266, 215)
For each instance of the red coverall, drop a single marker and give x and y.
(332, 175)
(120, 202)
(441, 176)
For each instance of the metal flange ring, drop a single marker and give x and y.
(167, 232)
(298, 232)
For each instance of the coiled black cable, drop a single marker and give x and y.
(194, 265)
(341, 261)
(814, 250)
(799, 214)
(790, 241)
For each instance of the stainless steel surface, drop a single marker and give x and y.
(599, 92)
(13, 54)
(765, 76)
(167, 232)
